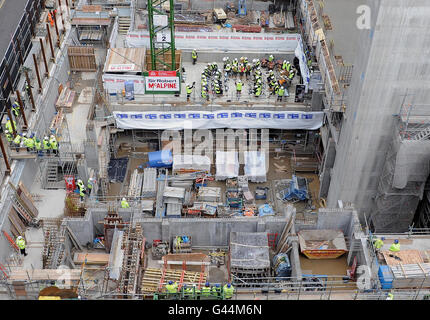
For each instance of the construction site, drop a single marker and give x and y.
(234, 149)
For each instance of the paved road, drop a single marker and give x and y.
(11, 12)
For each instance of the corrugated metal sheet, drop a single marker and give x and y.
(149, 188)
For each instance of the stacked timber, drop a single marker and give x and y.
(284, 243)
(154, 280)
(135, 186)
(414, 275)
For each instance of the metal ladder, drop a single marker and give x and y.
(21, 209)
(52, 172)
(422, 134)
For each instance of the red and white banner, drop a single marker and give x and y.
(162, 81)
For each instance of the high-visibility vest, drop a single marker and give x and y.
(206, 291)
(395, 247)
(284, 66)
(9, 137)
(204, 93)
(258, 91)
(17, 139)
(270, 58)
(194, 54)
(189, 90)
(228, 68)
(239, 86)
(281, 92)
(188, 291)
(89, 184)
(46, 145)
(378, 243)
(228, 292)
(291, 75)
(124, 204)
(38, 145)
(216, 290)
(81, 185)
(390, 296)
(20, 243)
(53, 143)
(81, 191)
(217, 90)
(9, 125)
(29, 143)
(16, 108)
(172, 288)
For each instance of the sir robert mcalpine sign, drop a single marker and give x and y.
(162, 82)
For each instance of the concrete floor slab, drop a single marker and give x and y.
(86, 95)
(77, 121)
(88, 75)
(52, 201)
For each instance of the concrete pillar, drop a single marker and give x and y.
(295, 260)
(165, 230)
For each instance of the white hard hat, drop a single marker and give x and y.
(79, 180)
(46, 138)
(285, 61)
(7, 131)
(288, 61)
(123, 199)
(24, 134)
(19, 237)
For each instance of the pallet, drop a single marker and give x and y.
(152, 278)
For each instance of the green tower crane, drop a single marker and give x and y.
(161, 27)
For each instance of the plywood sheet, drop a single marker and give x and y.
(92, 258)
(406, 256)
(45, 274)
(125, 60)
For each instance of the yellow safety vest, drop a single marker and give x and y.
(206, 291)
(228, 292)
(378, 243)
(17, 139)
(395, 247)
(124, 204)
(21, 243)
(172, 288)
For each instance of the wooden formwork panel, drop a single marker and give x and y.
(82, 58)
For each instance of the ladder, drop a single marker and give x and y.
(123, 24)
(23, 212)
(422, 134)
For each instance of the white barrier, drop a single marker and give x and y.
(264, 42)
(234, 119)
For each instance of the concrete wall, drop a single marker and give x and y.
(390, 62)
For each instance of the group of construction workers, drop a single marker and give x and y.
(212, 77)
(379, 242)
(82, 189)
(206, 292)
(30, 141)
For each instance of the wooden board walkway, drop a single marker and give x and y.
(406, 256)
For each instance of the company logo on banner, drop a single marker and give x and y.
(162, 81)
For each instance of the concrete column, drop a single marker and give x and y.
(165, 230)
(295, 260)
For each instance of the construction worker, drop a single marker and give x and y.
(206, 290)
(20, 242)
(189, 90)
(291, 75)
(390, 296)
(16, 108)
(82, 190)
(271, 58)
(17, 141)
(395, 247)
(188, 291)
(257, 92)
(9, 136)
(38, 145)
(54, 144)
(239, 85)
(124, 204)
(194, 56)
(90, 184)
(216, 291)
(9, 124)
(172, 288)
(46, 145)
(228, 290)
(281, 91)
(205, 94)
(378, 243)
(29, 143)
(51, 21)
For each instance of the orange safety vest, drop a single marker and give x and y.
(248, 213)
